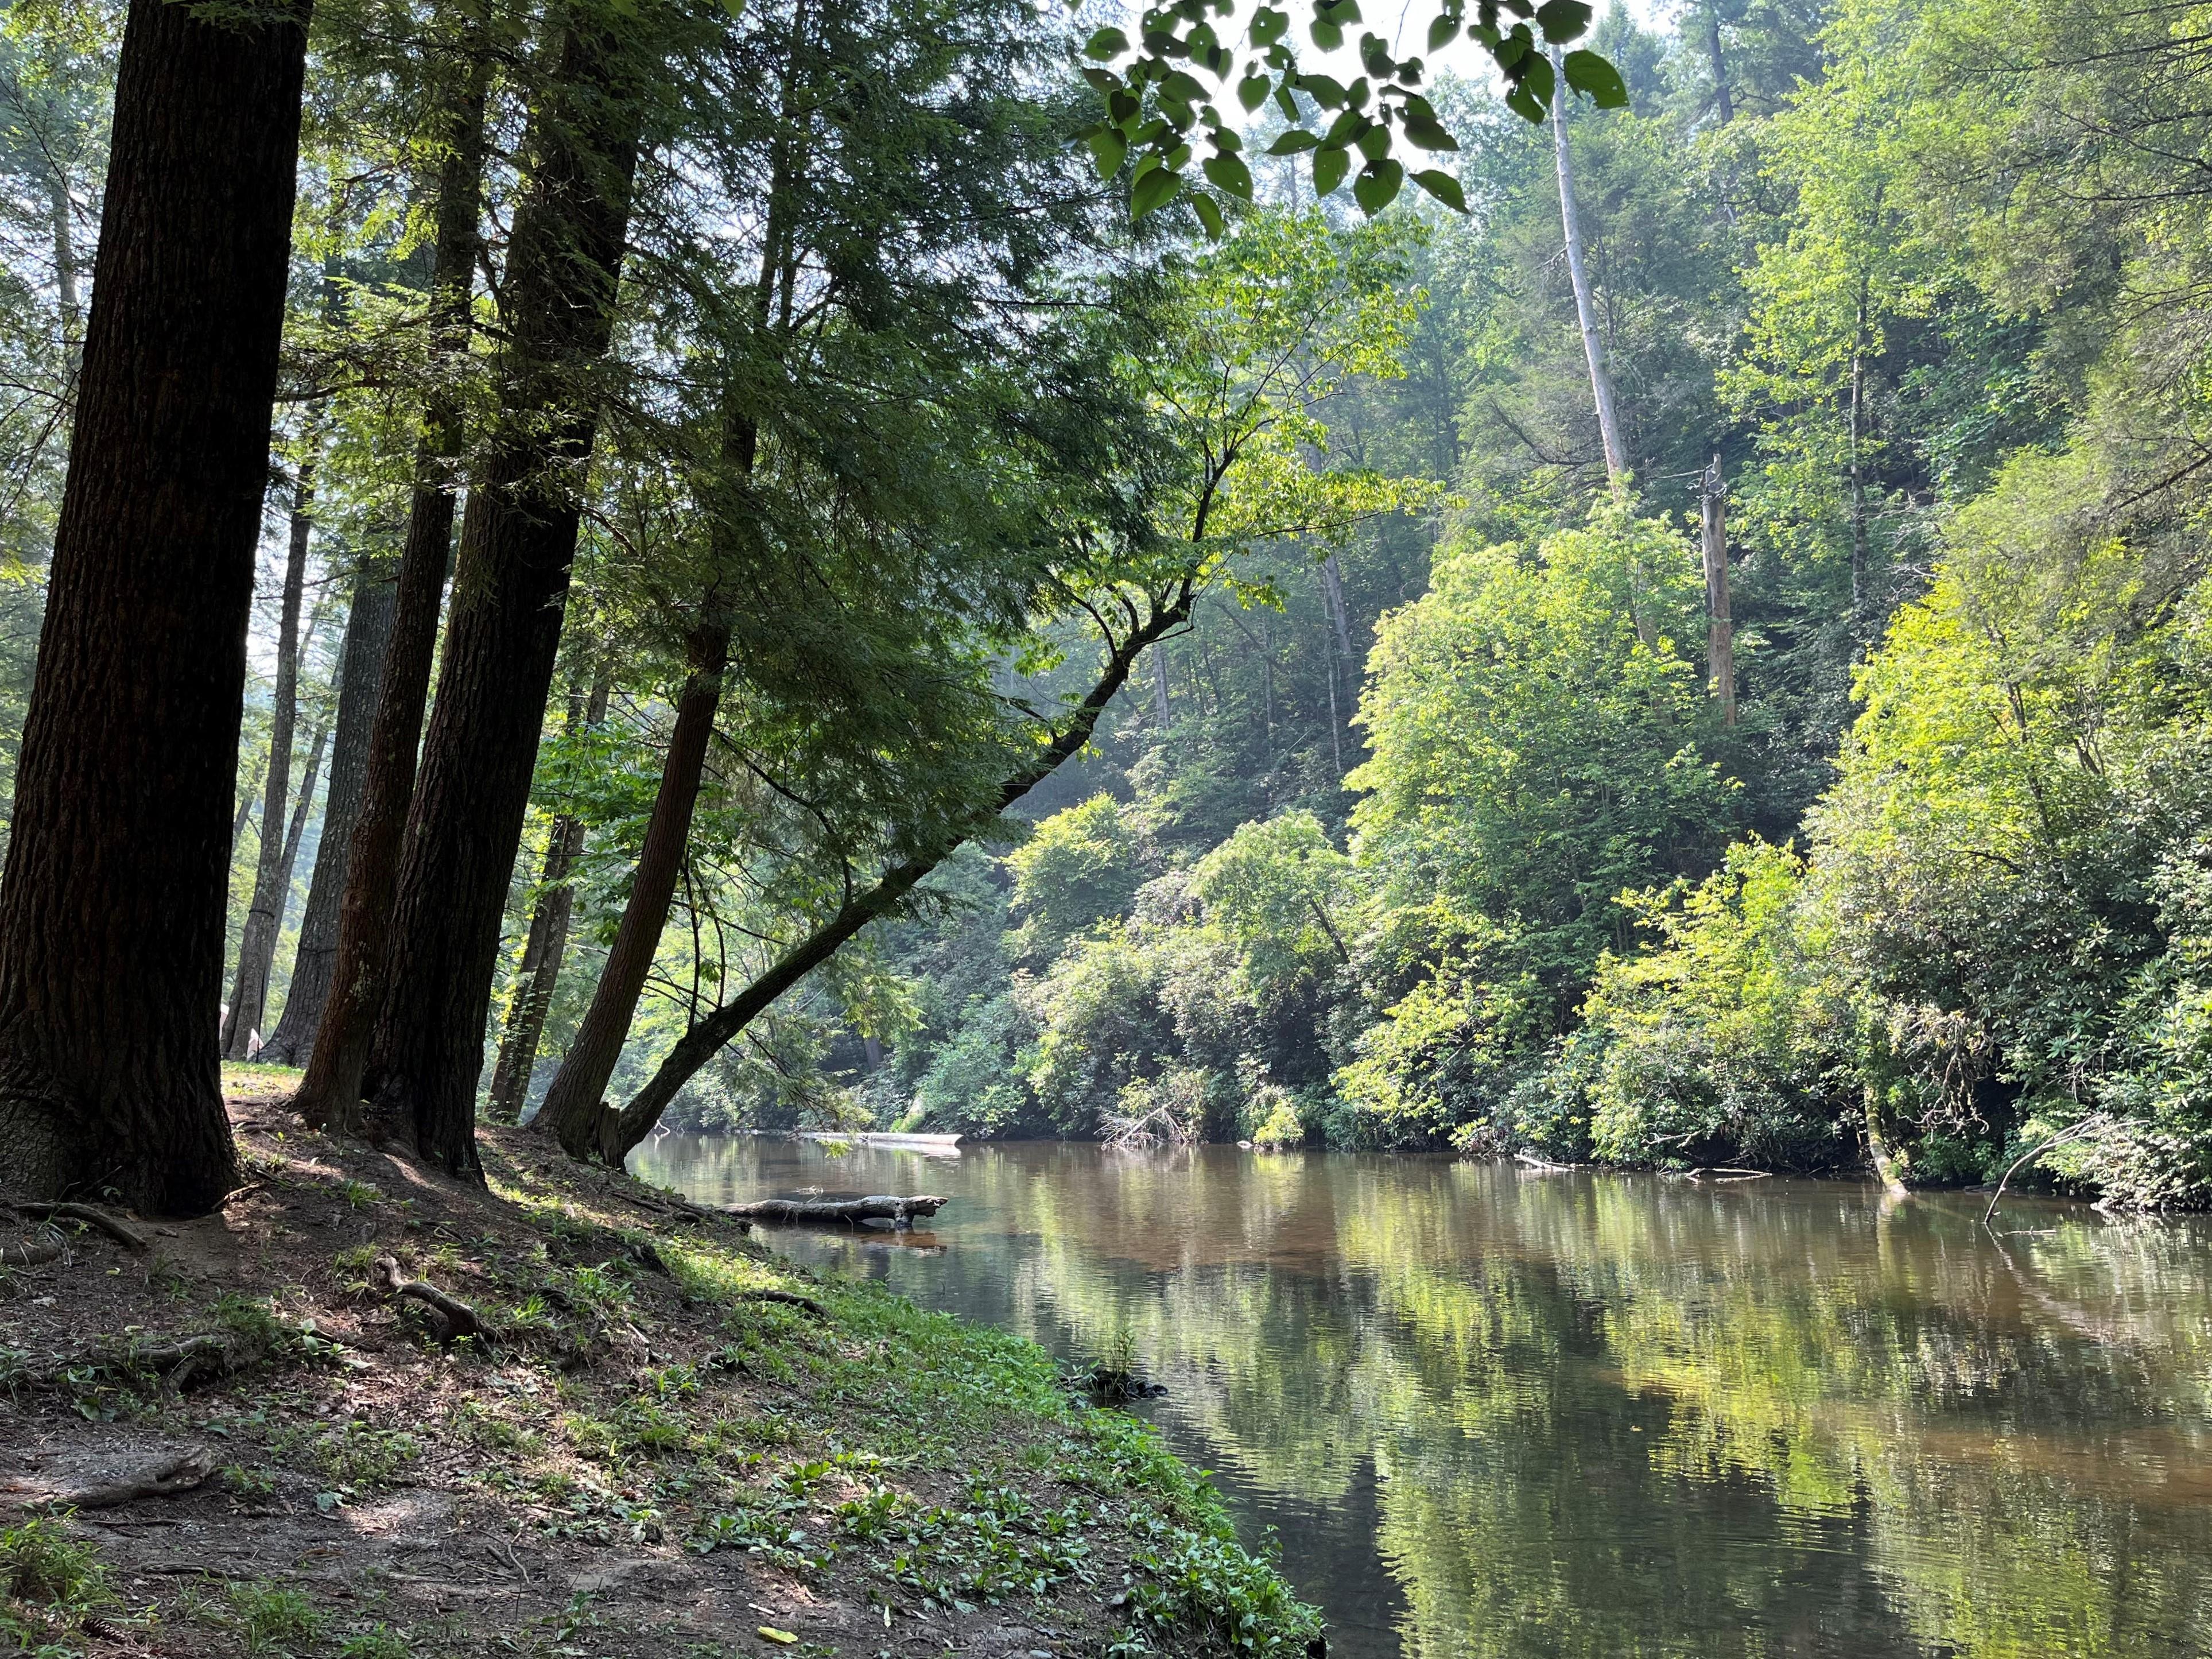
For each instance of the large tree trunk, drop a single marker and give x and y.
(112, 909)
(256, 946)
(572, 1108)
(617, 1133)
(1723, 105)
(361, 673)
(330, 1093)
(518, 540)
(1600, 378)
(547, 946)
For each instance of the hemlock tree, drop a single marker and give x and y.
(112, 907)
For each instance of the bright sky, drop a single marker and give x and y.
(1405, 21)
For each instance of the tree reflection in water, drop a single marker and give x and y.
(1494, 1412)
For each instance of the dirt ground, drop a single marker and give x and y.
(664, 1440)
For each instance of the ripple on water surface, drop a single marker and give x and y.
(1487, 1411)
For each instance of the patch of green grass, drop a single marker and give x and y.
(42, 1565)
(268, 1620)
(377, 1642)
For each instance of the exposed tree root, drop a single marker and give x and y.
(127, 1236)
(460, 1319)
(787, 1299)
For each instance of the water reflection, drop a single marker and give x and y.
(1493, 1413)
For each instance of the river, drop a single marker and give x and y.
(1487, 1411)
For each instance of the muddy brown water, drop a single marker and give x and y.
(1484, 1411)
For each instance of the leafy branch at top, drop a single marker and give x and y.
(1158, 109)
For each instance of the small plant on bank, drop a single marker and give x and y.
(268, 1619)
(49, 1584)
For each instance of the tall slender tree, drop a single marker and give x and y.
(330, 1093)
(1600, 376)
(361, 673)
(112, 906)
(518, 541)
(272, 876)
(546, 945)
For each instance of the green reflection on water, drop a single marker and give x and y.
(1494, 1412)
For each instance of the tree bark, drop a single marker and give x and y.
(572, 1108)
(112, 911)
(1720, 627)
(1609, 419)
(256, 946)
(1723, 105)
(617, 1133)
(517, 539)
(361, 672)
(547, 946)
(330, 1093)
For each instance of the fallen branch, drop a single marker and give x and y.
(834, 1212)
(2094, 1121)
(129, 1238)
(31, 1252)
(211, 1354)
(163, 1480)
(1726, 1173)
(787, 1299)
(460, 1319)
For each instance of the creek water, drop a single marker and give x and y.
(1487, 1411)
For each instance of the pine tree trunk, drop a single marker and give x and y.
(330, 1093)
(517, 539)
(256, 946)
(1720, 627)
(547, 947)
(361, 672)
(112, 909)
(573, 1105)
(1600, 378)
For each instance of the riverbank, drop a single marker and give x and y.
(668, 1441)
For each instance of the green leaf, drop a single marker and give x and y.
(1287, 104)
(1292, 143)
(1324, 91)
(1103, 80)
(1106, 43)
(1209, 215)
(1375, 56)
(1536, 77)
(1591, 75)
(1427, 135)
(1523, 105)
(1329, 167)
(735, 8)
(1325, 35)
(1230, 176)
(1442, 33)
(1183, 89)
(1252, 91)
(1108, 149)
(1376, 187)
(1269, 26)
(1563, 20)
(1156, 189)
(1374, 143)
(1444, 187)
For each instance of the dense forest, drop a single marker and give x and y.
(804, 576)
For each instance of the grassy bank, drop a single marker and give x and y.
(667, 1442)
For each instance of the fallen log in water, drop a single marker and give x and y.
(839, 1211)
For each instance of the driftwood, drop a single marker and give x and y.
(1535, 1163)
(129, 1238)
(161, 1481)
(839, 1211)
(459, 1319)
